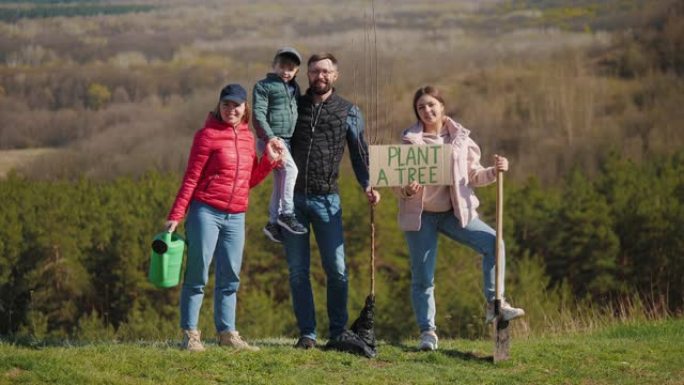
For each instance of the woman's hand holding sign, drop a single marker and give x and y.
(412, 189)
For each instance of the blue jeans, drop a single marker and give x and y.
(284, 178)
(422, 246)
(212, 233)
(323, 214)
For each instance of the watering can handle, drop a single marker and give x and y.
(164, 262)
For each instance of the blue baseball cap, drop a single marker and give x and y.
(233, 92)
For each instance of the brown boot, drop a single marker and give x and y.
(233, 340)
(191, 341)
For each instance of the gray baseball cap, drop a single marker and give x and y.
(291, 52)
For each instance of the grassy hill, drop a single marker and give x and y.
(636, 353)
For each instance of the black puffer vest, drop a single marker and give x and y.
(318, 143)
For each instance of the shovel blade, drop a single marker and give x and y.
(501, 339)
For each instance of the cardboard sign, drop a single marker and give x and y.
(400, 164)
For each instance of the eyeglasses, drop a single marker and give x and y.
(325, 72)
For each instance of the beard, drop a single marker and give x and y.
(321, 88)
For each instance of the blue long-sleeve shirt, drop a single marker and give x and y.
(358, 148)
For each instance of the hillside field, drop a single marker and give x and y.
(639, 354)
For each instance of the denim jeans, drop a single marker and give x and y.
(323, 214)
(422, 246)
(212, 233)
(284, 179)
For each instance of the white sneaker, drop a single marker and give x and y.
(428, 341)
(191, 341)
(509, 312)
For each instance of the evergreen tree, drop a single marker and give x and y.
(583, 248)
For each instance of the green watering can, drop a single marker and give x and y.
(167, 259)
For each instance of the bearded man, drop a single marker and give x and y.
(325, 123)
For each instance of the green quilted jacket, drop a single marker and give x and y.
(274, 110)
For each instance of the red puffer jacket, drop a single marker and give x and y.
(222, 167)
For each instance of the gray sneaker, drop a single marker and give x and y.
(290, 223)
(233, 340)
(191, 341)
(272, 231)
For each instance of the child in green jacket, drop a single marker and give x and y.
(275, 115)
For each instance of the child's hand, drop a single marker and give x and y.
(274, 150)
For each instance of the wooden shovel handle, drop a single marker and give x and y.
(372, 254)
(499, 234)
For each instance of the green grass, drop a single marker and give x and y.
(643, 353)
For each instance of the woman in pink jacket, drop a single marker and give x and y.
(222, 168)
(425, 211)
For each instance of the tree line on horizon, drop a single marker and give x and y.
(74, 256)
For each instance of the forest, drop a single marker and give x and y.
(99, 101)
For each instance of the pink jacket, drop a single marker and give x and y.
(468, 173)
(222, 167)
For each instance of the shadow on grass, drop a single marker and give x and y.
(453, 353)
(467, 356)
(284, 343)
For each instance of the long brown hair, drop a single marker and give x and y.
(427, 90)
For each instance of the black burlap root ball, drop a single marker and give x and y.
(349, 342)
(360, 339)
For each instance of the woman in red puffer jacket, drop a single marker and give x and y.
(222, 167)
